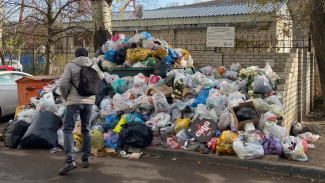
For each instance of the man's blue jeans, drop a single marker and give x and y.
(71, 115)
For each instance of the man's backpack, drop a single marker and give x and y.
(89, 81)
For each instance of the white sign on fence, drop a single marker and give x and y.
(221, 36)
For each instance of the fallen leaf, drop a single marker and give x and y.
(198, 162)
(174, 159)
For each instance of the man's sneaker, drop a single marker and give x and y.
(67, 167)
(85, 164)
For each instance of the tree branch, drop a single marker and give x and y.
(63, 7)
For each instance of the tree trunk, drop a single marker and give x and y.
(50, 42)
(318, 34)
(49, 56)
(101, 22)
(1, 50)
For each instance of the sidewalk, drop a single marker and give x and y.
(314, 168)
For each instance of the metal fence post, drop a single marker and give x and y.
(33, 59)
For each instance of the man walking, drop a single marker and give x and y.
(79, 102)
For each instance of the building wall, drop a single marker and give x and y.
(252, 34)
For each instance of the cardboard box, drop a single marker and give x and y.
(240, 124)
(166, 90)
(99, 152)
(110, 151)
(107, 151)
(185, 92)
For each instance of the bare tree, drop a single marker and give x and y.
(101, 16)
(309, 14)
(1, 52)
(44, 19)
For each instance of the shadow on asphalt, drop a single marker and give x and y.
(6, 118)
(4, 121)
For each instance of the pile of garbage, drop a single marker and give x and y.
(219, 110)
(142, 51)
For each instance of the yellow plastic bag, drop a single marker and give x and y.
(181, 124)
(224, 143)
(185, 54)
(130, 55)
(224, 148)
(228, 136)
(161, 53)
(97, 140)
(77, 141)
(118, 127)
(137, 54)
(143, 54)
(18, 109)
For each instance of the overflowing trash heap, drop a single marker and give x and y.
(219, 110)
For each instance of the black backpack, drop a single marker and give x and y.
(89, 81)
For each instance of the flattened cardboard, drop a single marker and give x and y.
(166, 90)
(99, 152)
(202, 129)
(240, 124)
(185, 92)
(103, 152)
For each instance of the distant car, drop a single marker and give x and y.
(8, 91)
(13, 63)
(7, 68)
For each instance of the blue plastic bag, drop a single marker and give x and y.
(145, 117)
(201, 98)
(133, 117)
(172, 54)
(146, 34)
(119, 86)
(114, 142)
(110, 122)
(167, 60)
(110, 55)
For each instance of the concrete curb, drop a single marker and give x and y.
(257, 164)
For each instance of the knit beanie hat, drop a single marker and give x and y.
(81, 52)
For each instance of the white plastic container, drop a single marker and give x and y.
(249, 127)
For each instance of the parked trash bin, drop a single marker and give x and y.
(27, 86)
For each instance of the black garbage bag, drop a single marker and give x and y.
(161, 69)
(119, 60)
(120, 56)
(246, 113)
(136, 135)
(42, 133)
(13, 132)
(102, 92)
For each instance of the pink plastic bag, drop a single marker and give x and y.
(304, 145)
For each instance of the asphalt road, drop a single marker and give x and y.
(42, 166)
